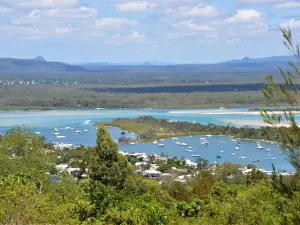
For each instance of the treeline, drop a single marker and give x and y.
(49, 97)
(150, 128)
(183, 89)
(112, 193)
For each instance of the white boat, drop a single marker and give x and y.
(55, 130)
(268, 150)
(196, 156)
(184, 144)
(178, 143)
(221, 151)
(87, 122)
(273, 158)
(243, 157)
(232, 154)
(174, 138)
(269, 155)
(209, 135)
(132, 143)
(86, 130)
(259, 147)
(237, 148)
(160, 145)
(233, 140)
(255, 160)
(56, 133)
(155, 142)
(78, 131)
(37, 133)
(222, 108)
(191, 148)
(60, 137)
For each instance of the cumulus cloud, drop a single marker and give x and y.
(111, 23)
(136, 36)
(288, 5)
(63, 31)
(191, 25)
(40, 4)
(245, 16)
(260, 1)
(195, 11)
(292, 24)
(4, 10)
(134, 6)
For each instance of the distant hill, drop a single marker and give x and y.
(272, 59)
(39, 64)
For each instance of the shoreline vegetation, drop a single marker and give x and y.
(149, 129)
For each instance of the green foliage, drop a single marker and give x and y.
(191, 209)
(165, 168)
(22, 150)
(108, 166)
(149, 128)
(287, 94)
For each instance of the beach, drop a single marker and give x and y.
(223, 112)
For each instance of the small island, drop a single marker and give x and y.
(148, 129)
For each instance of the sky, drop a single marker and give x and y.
(180, 31)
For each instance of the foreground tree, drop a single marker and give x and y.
(278, 95)
(107, 165)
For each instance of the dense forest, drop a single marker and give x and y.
(113, 193)
(149, 129)
(60, 97)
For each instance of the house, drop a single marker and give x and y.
(152, 174)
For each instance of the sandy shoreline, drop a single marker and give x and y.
(222, 112)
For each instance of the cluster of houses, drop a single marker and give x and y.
(18, 82)
(150, 170)
(147, 166)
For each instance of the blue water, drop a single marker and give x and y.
(45, 121)
(210, 152)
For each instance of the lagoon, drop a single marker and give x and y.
(66, 120)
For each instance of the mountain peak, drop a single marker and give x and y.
(40, 58)
(246, 58)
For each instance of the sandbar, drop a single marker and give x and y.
(223, 112)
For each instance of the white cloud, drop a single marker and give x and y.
(292, 24)
(196, 11)
(63, 31)
(111, 23)
(245, 16)
(189, 24)
(40, 4)
(136, 35)
(4, 10)
(288, 5)
(260, 1)
(134, 6)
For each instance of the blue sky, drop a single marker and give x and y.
(179, 31)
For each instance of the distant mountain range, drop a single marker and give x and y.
(38, 64)
(272, 59)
